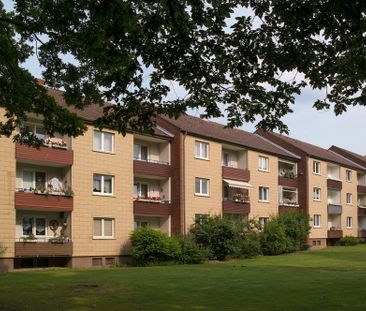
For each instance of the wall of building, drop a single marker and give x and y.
(119, 206)
(208, 169)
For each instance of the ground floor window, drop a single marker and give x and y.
(103, 228)
(349, 222)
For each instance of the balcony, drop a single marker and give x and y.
(43, 249)
(151, 207)
(334, 184)
(288, 197)
(334, 209)
(60, 156)
(152, 168)
(43, 202)
(362, 233)
(235, 173)
(287, 174)
(361, 211)
(334, 233)
(361, 189)
(235, 207)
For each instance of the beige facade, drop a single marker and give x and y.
(209, 169)
(89, 205)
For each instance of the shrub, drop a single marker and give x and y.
(250, 245)
(190, 251)
(274, 240)
(153, 246)
(349, 241)
(221, 236)
(296, 228)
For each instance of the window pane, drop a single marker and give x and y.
(27, 179)
(40, 133)
(107, 184)
(97, 140)
(97, 227)
(136, 190)
(136, 149)
(108, 142)
(97, 183)
(204, 186)
(108, 227)
(143, 190)
(40, 226)
(40, 180)
(197, 149)
(198, 186)
(144, 153)
(204, 150)
(27, 224)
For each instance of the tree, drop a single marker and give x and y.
(226, 53)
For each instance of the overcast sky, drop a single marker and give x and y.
(321, 128)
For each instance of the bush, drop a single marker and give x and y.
(274, 240)
(349, 241)
(250, 245)
(153, 246)
(221, 236)
(191, 253)
(296, 228)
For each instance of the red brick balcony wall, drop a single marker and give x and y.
(235, 173)
(45, 154)
(40, 202)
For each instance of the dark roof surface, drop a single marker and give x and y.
(89, 113)
(217, 131)
(358, 158)
(318, 152)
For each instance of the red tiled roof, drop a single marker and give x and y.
(217, 131)
(318, 152)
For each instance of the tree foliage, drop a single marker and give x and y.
(232, 54)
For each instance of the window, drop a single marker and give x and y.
(140, 152)
(316, 221)
(97, 261)
(103, 228)
(103, 184)
(263, 194)
(225, 159)
(262, 222)
(139, 224)
(316, 194)
(110, 261)
(34, 180)
(316, 167)
(349, 222)
(349, 198)
(200, 218)
(201, 186)
(201, 150)
(36, 129)
(103, 141)
(348, 175)
(34, 226)
(140, 190)
(263, 163)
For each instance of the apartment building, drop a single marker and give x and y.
(330, 181)
(75, 201)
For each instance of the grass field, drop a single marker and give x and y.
(329, 279)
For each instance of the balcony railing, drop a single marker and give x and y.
(335, 233)
(334, 184)
(235, 207)
(235, 173)
(43, 202)
(43, 249)
(334, 208)
(152, 207)
(361, 189)
(152, 161)
(154, 168)
(56, 155)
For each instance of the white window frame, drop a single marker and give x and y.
(34, 177)
(102, 141)
(316, 167)
(349, 222)
(263, 164)
(349, 198)
(102, 185)
(139, 184)
(104, 237)
(200, 183)
(263, 192)
(349, 175)
(200, 149)
(34, 229)
(317, 194)
(139, 152)
(317, 221)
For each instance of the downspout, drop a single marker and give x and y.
(183, 182)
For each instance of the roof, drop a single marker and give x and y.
(92, 112)
(217, 131)
(355, 157)
(318, 152)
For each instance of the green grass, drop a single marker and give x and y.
(329, 279)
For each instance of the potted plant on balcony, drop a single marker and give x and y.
(29, 238)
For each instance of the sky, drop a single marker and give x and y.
(321, 128)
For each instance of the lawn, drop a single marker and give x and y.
(329, 279)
